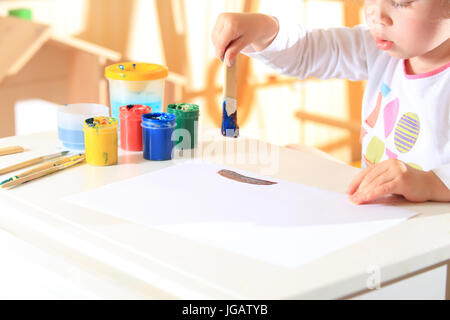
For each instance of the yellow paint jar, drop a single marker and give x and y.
(100, 140)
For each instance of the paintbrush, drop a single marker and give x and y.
(230, 127)
(42, 173)
(31, 162)
(44, 166)
(11, 150)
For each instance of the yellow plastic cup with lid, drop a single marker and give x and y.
(136, 83)
(100, 140)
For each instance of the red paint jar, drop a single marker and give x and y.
(130, 126)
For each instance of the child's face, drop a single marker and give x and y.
(408, 28)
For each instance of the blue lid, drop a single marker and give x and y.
(158, 119)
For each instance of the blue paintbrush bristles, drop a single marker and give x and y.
(230, 127)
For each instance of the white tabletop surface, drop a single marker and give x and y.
(112, 258)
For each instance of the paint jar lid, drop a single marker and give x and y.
(136, 71)
(24, 13)
(158, 120)
(184, 110)
(133, 111)
(101, 124)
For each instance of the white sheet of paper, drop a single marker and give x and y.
(285, 224)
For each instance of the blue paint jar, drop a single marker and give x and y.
(157, 129)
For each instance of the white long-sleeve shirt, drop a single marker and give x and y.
(403, 116)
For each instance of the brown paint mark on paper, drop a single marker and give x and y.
(241, 178)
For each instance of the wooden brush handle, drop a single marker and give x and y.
(29, 177)
(42, 173)
(230, 85)
(48, 165)
(11, 150)
(21, 165)
(36, 169)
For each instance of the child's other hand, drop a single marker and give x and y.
(396, 177)
(235, 31)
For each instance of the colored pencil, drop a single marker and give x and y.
(11, 150)
(42, 173)
(230, 127)
(43, 166)
(31, 162)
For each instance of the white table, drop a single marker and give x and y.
(99, 256)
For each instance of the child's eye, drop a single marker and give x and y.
(404, 4)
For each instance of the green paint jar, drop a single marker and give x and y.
(24, 13)
(186, 129)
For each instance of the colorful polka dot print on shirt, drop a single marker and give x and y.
(406, 132)
(390, 116)
(371, 120)
(415, 166)
(390, 154)
(385, 90)
(375, 151)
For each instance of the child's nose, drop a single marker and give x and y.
(378, 14)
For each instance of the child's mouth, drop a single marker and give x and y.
(384, 44)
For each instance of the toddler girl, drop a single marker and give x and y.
(404, 53)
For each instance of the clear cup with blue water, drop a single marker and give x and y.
(133, 83)
(71, 119)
